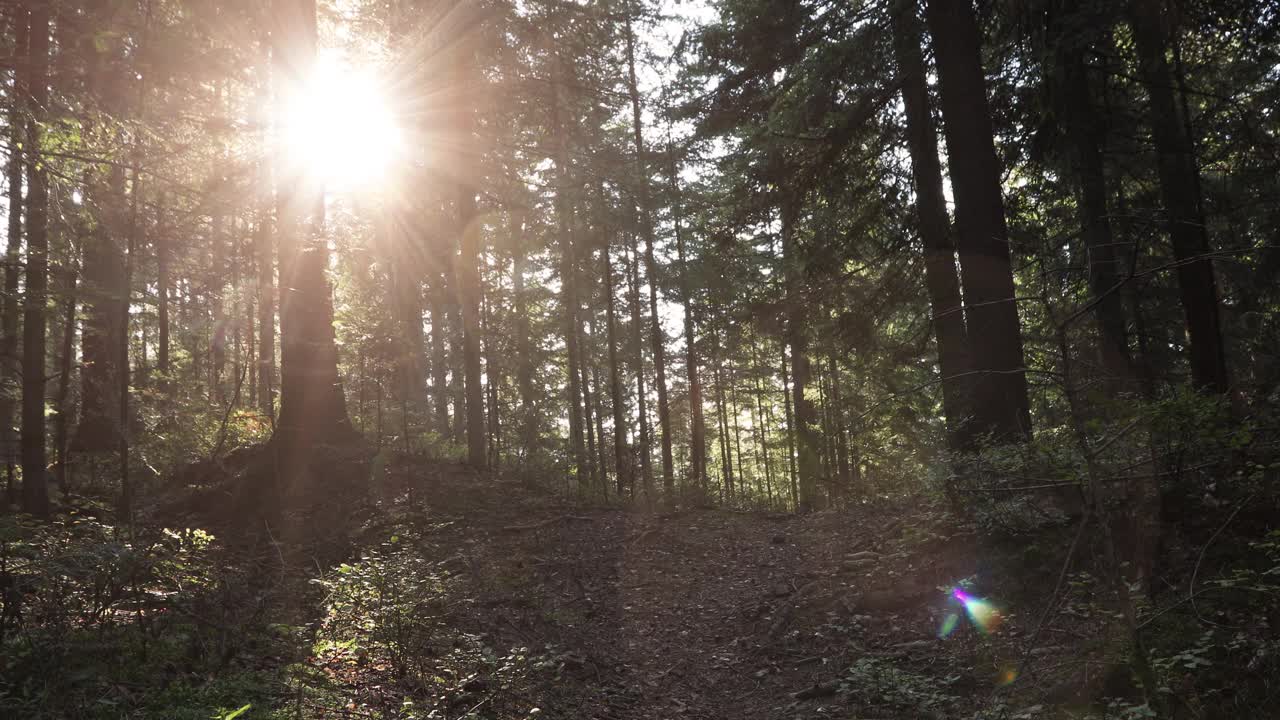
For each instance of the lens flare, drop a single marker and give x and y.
(1007, 675)
(949, 625)
(984, 616)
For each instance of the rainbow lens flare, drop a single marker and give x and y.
(984, 616)
(949, 625)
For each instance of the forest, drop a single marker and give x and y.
(622, 359)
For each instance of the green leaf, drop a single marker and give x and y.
(237, 713)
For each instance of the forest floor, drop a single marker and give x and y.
(527, 605)
(454, 595)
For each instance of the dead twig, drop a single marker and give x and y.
(1191, 590)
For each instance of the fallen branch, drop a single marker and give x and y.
(547, 523)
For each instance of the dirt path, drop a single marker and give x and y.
(601, 613)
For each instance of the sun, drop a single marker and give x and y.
(340, 128)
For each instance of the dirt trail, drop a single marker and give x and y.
(699, 614)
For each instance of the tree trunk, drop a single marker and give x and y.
(66, 361)
(1086, 135)
(164, 282)
(312, 406)
(407, 296)
(733, 410)
(457, 363)
(697, 426)
(528, 424)
(637, 357)
(824, 427)
(791, 432)
(622, 465)
(1000, 402)
(265, 255)
(808, 443)
(568, 281)
(493, 376)
(217, 305)
(1180, 191)
(838, 429)
(657, 338)
(470, 291)
(35, 483)
(10, 377)
(602, 457)
(103, 255)
(439, 364)
(935, 228)
(469, 288)
(266, 318)
(766, 420)
(722, 417)
(104, 324)
(760, 427)
(588, 425)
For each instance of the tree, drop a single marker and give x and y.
(1180, 191)
(35, 484)
(1002, 408)
(935, 228)
(469, 287)
(657, 338)
(312, 405)
(10, 378)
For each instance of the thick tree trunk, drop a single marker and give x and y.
(104, 291)
(1086, 135)
(35, 483)
(103, 325)
(935, 229)
(10, 377)
(312, 405)
(1180, 191)
(470, 291)
(1001, 405)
